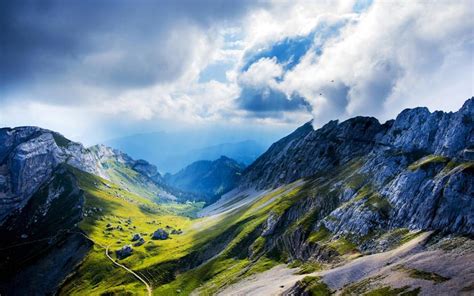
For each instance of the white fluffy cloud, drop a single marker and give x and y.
(397, 55)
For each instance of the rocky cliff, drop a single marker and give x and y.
(415, 131)
(364, 179)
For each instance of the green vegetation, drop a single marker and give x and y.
(306, 267)
(423, 162)
(365, 191)
(424, 275)
(131, 180)
(356, 181)
(315, 286)
(359, 288)
(469, 165)
(212, 252)
(321, 235)
(112, 216)
(379, 204)
(408, 236)
(343, 246)
(232, 263)
(309, 267)
(398, 237)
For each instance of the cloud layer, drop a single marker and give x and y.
(165, 63)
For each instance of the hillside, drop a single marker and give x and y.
(208, 178)
(57, 198)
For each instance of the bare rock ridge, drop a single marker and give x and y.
(416, 171)
(307, 151)
(29, 156)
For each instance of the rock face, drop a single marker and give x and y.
(160, 234)
(49, 217)
(210, 179)
(307, 151)
(30, 155)
(28, 158)
(414, 171)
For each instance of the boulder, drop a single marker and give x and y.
(140, 242)
(174, 231)
(136, 237)
(124, 252)
(160, 234)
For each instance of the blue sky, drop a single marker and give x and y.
(94, 70)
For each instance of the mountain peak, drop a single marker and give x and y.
(307, 151)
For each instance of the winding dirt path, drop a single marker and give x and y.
(148, 286)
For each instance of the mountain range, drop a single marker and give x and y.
(209, 178)
(352, 208)
(171, 152)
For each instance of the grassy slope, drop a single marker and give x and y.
(116, 207)
(231, 264)
(133, 181)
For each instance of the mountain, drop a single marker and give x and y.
(42, 200)
(352, 208)
(415, 171)
(389, 193)
(173, 151)
(210, 178)
(244, 152)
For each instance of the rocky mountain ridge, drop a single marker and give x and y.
(30, 155)
(364, 179)
(307, 151)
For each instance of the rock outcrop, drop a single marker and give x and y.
(29, 156)
(124, 252)
(49, 219)
(160, 234)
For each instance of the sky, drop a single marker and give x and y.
(95, 70)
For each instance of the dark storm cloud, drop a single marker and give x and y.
(111, 44)
(267, 102)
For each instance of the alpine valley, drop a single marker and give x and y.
(351, 208)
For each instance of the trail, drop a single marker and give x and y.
(148, 287)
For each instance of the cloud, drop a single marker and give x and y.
(106, 47)
(387, 58)
(276, 42)
(259, 93)
(123, 64)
